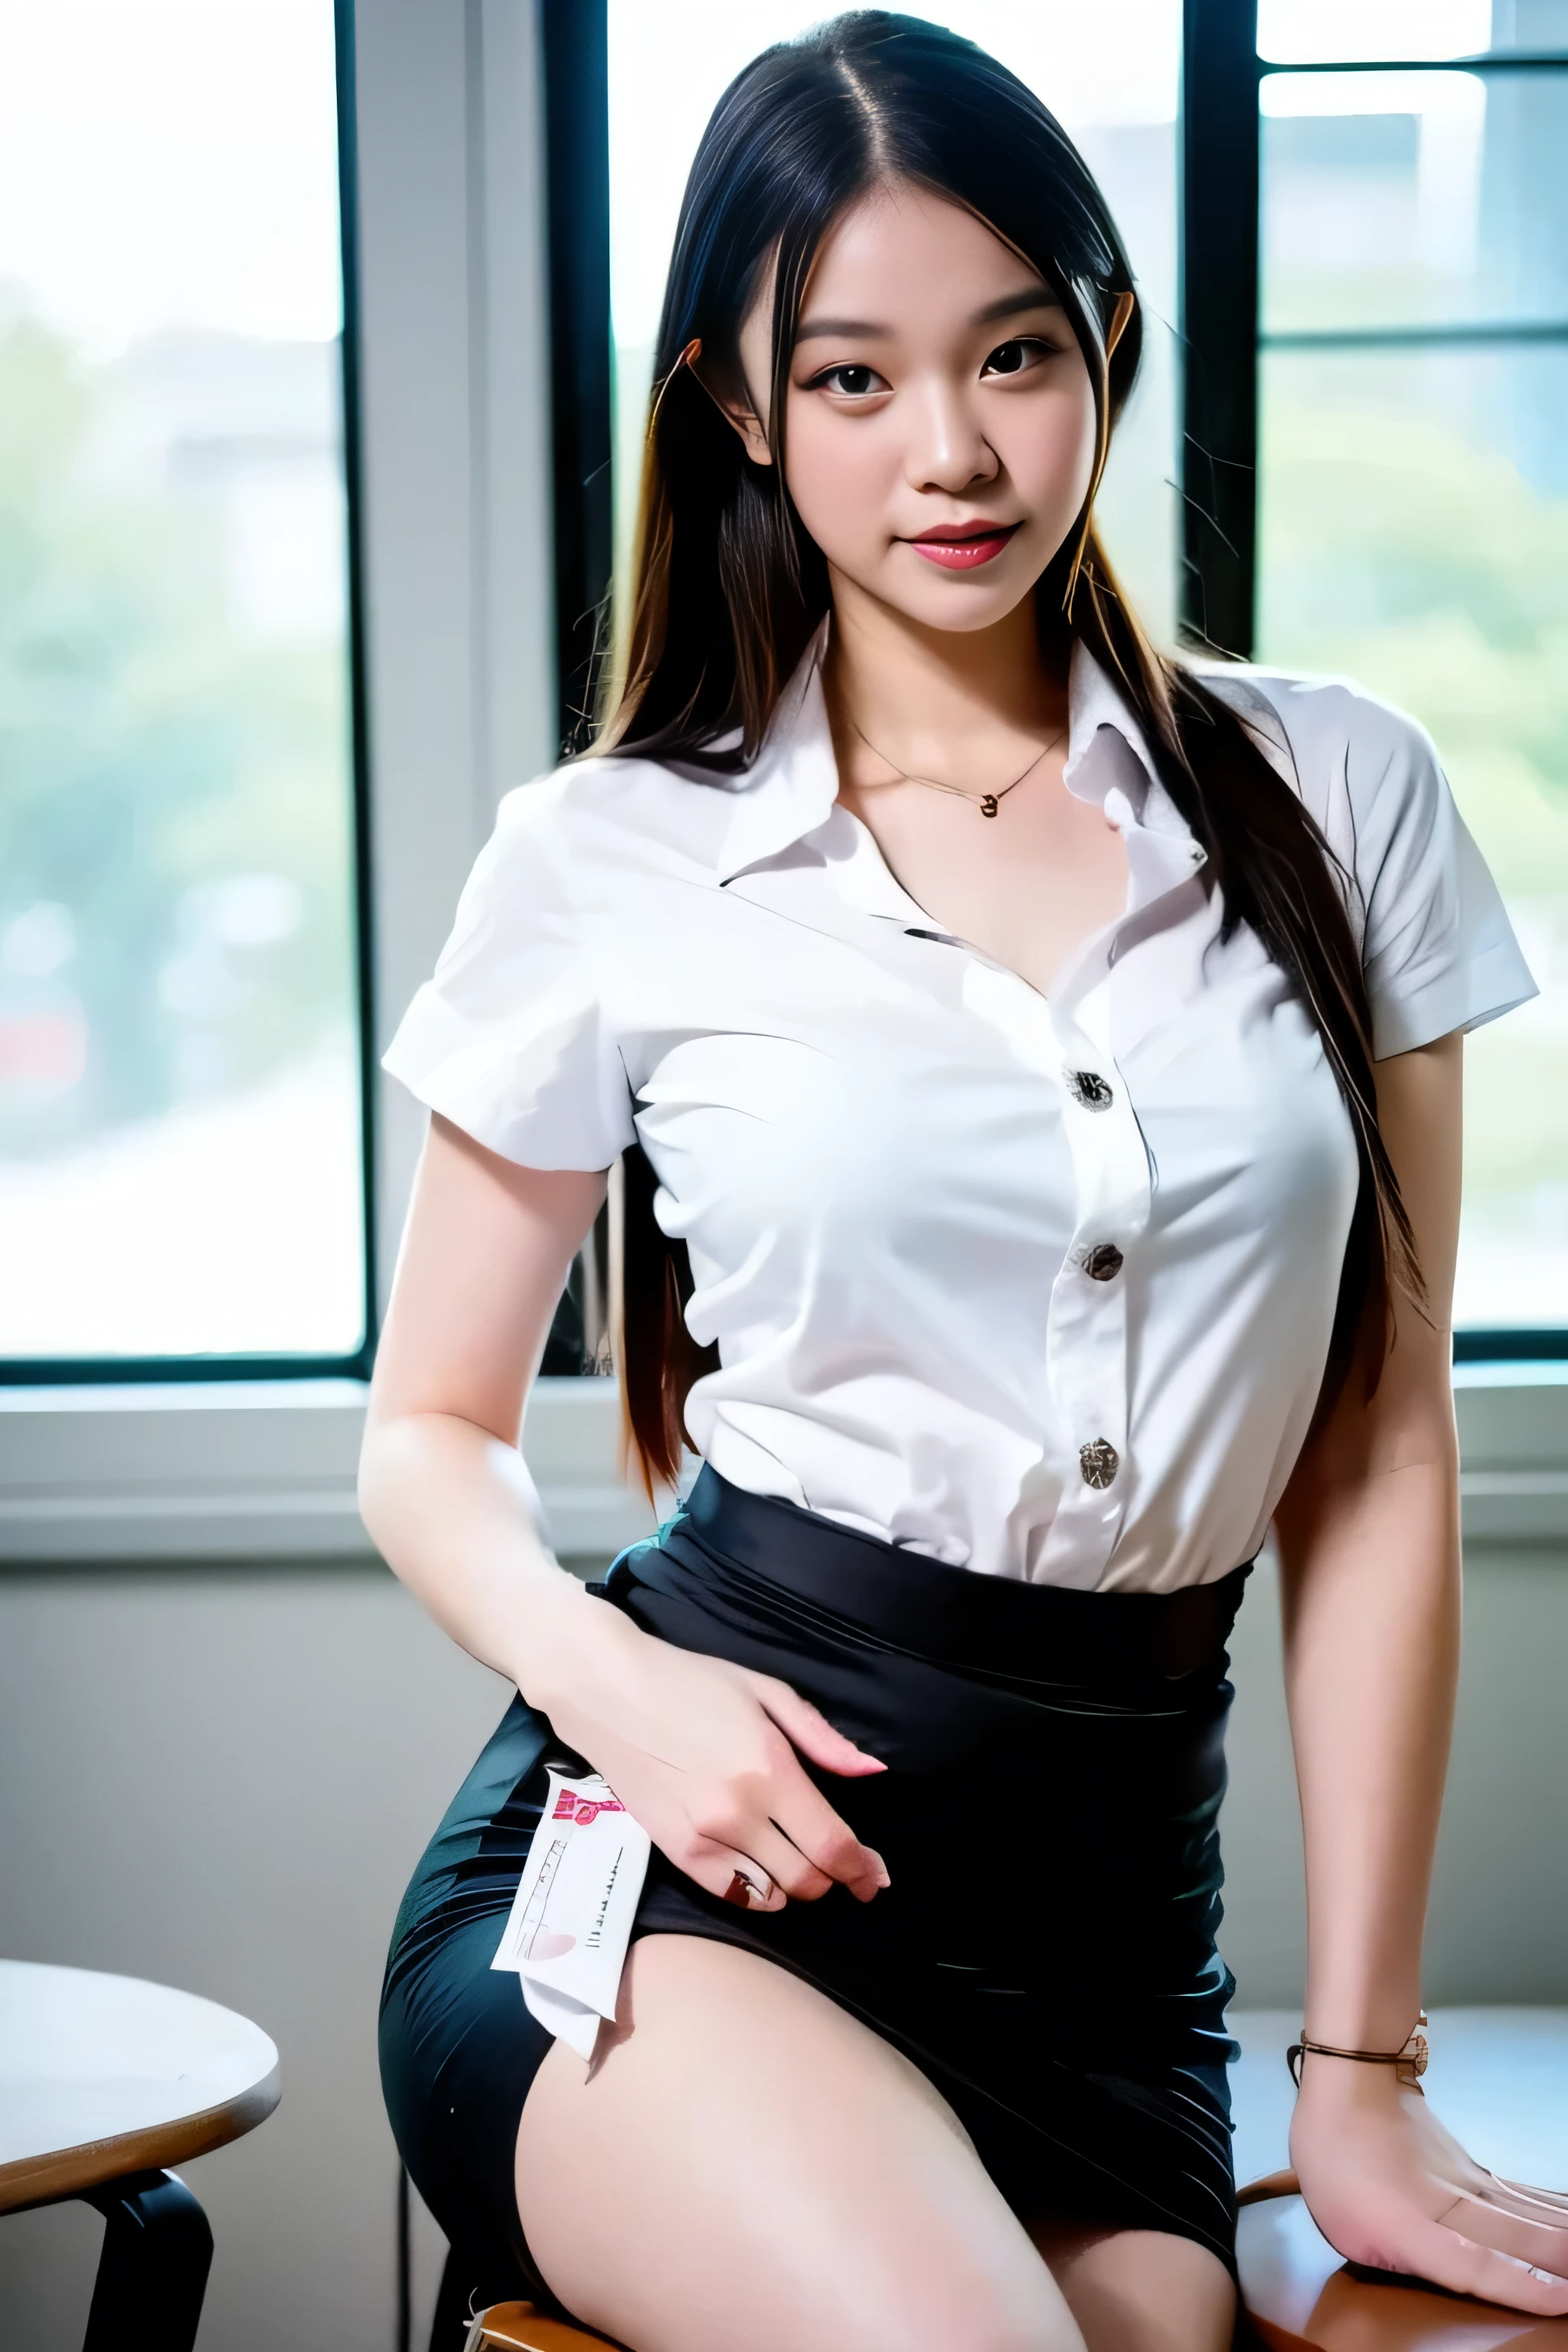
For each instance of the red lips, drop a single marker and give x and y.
(963, 546)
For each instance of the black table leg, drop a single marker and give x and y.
(152, 2271)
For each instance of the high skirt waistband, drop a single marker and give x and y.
(1046, 1764)
(993, 1625)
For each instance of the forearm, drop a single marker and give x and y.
(450, 1507)
(1372, 1634)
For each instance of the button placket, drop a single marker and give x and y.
(1087, 1342)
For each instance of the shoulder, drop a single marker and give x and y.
(1361, 765)
(1436, 946)
(592, 820)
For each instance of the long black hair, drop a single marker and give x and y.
(729, 588)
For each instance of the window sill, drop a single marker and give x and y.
(265, 1470)
(231, 1471)
(1513, 1453)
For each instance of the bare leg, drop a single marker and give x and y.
(1141, 2290)
(747, 2169)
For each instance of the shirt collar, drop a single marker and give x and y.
(1109, 762)
(792, 787)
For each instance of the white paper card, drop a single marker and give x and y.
(571, 1919)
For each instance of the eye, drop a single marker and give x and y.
(854, 380)
(1016, 357)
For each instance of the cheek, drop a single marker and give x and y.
(839, 475)
(1050, 455)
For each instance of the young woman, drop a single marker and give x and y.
(1048, 1059)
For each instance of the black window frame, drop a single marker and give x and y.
(576, 62)
(61, 1371)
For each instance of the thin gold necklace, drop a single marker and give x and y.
(988, 803)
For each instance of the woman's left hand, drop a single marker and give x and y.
(1389, 2187)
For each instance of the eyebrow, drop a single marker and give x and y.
(1006, 306)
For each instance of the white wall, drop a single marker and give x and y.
(1498, 1929)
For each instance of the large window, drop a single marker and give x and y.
(182, 1165)
(1408, 326)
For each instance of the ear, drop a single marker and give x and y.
(734, 405)
(1126, 303)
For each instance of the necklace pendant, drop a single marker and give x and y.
(988, 804)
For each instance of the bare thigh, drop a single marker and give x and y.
(747, 2166)
(1141, 2290)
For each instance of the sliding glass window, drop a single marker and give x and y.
(181, 1162)
(1388, 365)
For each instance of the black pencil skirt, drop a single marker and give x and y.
(1046, 1952)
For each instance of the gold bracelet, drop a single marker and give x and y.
(1410, 2061)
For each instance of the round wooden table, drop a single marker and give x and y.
(104, 2083)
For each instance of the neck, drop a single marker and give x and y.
(913, 689)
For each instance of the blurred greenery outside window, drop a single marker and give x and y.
(1412, 524)
(180, 1094)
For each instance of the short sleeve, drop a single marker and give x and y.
(509, 1038)
(1437, 949)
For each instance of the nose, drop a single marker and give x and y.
(948, 450)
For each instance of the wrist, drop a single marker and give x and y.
(1335, 2067)
(573, 1641)
(1353, 2014)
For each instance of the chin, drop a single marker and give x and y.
(962, 605)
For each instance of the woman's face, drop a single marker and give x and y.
(940, 434)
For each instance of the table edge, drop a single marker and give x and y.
(63, 2172)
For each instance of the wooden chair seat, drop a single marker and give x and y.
(1304, 2298)
(1300, 2295)
(518, 2327)
(1498, 2078)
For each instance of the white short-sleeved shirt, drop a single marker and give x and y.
(1041, 1288)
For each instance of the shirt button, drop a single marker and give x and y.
(1089, 1090)
(1098, 1462)
(1103, 1262)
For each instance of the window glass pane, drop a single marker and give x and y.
(1303, 32)
(1414, 532)
(179, 1097)
(1400, 199)
(1111, 74)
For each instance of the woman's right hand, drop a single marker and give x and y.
(702, 1755)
